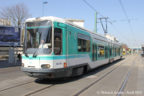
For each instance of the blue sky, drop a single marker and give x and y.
(77, 9)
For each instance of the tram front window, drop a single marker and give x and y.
(39, 37)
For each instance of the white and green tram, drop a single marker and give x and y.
(56, 48)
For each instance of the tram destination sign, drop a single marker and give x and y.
(9, 36)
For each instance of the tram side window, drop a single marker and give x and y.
(101, 51)
(57, 41)
(83, 45)
(110, 51)
(119, 51)
(115, 52)
(106, 52)
(94, 52)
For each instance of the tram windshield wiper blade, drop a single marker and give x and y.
(26, 54)
(35, 53)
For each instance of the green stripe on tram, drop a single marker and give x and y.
(35, 27)
(51, 57)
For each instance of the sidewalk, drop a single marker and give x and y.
(5, 63)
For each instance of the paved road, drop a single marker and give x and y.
(125, 76)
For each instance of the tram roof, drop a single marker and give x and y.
(52, 18)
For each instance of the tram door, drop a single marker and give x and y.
(59, 49)
(71, 45)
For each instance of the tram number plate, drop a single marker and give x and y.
(32, 66)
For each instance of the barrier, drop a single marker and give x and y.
(10, 54)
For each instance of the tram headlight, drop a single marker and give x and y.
(45, 66)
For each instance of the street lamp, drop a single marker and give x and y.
(44, 3)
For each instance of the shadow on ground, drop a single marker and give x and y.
(72, 79)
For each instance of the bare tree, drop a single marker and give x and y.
(16, 14)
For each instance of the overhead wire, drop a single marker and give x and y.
(124, 11)
(116, 30)
(128, 20)
(88, 4)
(110, 20)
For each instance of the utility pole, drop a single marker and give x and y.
(95, 27)
(96, 12)
(104, 28)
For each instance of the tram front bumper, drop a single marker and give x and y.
(47, 73)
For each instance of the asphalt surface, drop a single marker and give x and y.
(121, 78)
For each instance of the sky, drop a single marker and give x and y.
(131, 33)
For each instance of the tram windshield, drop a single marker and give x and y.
(38, 37)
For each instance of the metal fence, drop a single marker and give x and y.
(4, 52)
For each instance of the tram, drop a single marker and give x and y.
(56, 48)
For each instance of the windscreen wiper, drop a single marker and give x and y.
(35, 53)
(26, 54)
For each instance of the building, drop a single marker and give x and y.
(5, 22)
(77, 22)
(111, 38)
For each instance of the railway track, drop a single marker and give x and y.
(123, 85)
(16, 86)
(36, 91)
(102, 77)
(39, 90)
(29, 94)
(32, 92)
